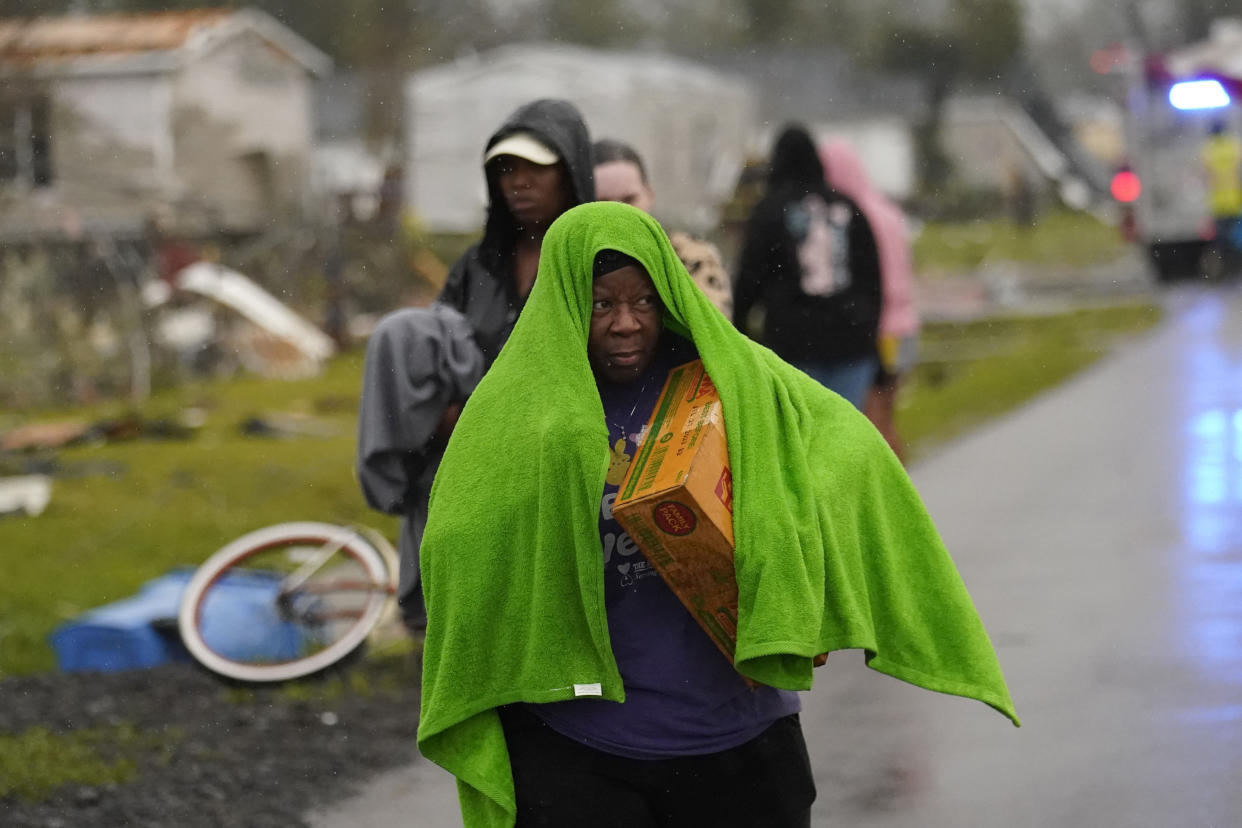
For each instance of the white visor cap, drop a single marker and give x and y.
(523, 145)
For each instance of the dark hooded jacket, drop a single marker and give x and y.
(802, 326)
(420, 360)
(479, 285)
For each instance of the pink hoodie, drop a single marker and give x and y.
(843, 172)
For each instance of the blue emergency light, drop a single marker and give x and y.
(1198, 94)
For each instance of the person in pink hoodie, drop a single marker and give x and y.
(899, 319)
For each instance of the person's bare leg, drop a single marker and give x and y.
(880, 408)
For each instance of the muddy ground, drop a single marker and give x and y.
(204, 753)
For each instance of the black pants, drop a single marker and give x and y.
(560, 783)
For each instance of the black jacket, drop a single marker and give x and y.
(480, 283)
(801, 326)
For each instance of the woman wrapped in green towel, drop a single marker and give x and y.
(563, 683)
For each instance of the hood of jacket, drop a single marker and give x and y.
(795, 165)
(560, 125)
(843, 170)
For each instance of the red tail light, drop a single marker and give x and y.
(1126, 186)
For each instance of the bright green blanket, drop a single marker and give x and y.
(834, 548)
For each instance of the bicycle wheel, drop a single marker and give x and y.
(285, 601)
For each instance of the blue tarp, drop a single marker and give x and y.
(239, 621)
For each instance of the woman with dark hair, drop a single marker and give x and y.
(621, 175)
(563, 683)
(809, 261)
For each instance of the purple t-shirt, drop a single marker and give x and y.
(683, 698)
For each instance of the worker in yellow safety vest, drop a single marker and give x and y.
(1222, 166)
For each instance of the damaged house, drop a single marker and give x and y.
(202, 118)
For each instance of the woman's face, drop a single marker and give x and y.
(625, 324)
(536, 194)
(623, 181)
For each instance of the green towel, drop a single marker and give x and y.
(834, 547)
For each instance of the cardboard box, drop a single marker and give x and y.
(676, 502)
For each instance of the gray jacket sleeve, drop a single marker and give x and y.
(419, 360)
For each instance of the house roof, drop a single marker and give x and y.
(156, 41)
(617, 67)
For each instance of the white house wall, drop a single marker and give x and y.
(132, 110)
(242, 132)
(110, 152)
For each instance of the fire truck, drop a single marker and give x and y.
(1173, 100)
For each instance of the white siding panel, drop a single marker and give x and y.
(133, 110)
(264, 96)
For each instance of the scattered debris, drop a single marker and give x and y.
(194, 417)
(128, 426)
(28, 495)
(50, 465)
(134, 426)
(336, 404)
(268, 355)
(43, 435)
(276, 320)
(285, 425)
(186, 330)
(240, 620)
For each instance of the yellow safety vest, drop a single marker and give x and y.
(1222, 159)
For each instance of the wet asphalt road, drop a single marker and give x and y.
(1100, 533)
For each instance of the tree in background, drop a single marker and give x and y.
(697, 27)
(599, 23)
(768, 20)
(30, 8)
(1061, 55)
(977, 44)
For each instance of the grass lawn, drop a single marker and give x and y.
(126, 512)
(973, 371)
(129, 511)
(1060, 239)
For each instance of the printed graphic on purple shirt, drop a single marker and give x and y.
(682, 696)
